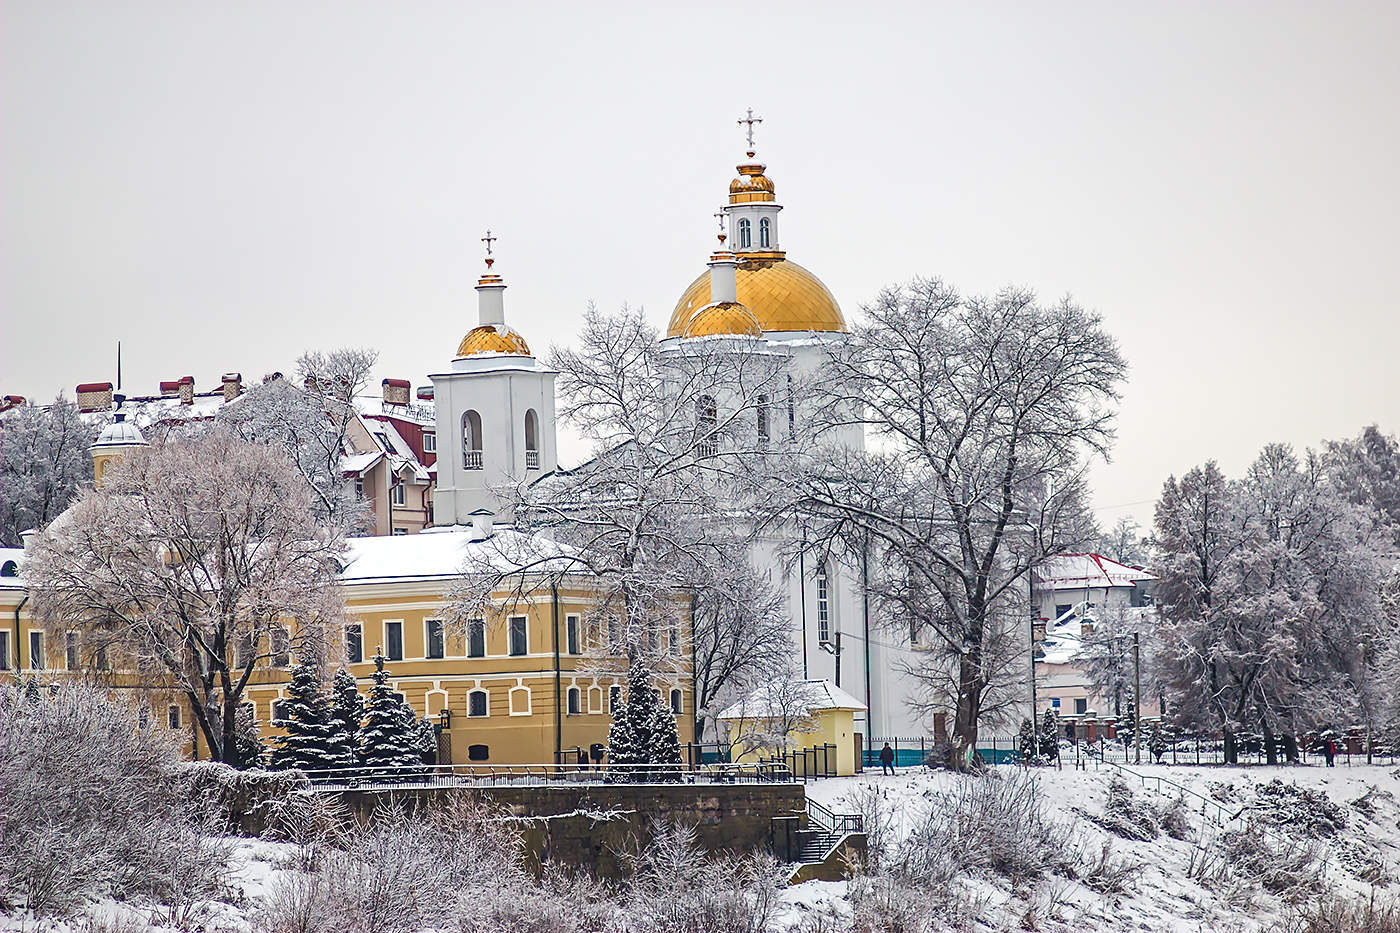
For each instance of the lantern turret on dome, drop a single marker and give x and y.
(491, 335)
(116, 441)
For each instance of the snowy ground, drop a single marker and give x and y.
(1360, 860)
(1363, 858)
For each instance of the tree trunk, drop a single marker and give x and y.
(962, 751)
(1231, 752)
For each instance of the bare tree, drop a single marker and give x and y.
(188, 566)
(978, 407)
(770, 717)
(311, 424)
(43, 464)
(657, 513)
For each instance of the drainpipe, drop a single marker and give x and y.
(802, 594)
(19, 659)
(558, 696)
(865, 618)
(697, 735)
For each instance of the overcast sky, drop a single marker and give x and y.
(221, 186)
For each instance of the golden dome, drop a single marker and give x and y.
(751, 185)
(492, 338)
(779, 293)
(723, 318)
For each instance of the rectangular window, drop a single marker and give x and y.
(673, 634)
(281, 645)
(359, 488)
(393, 641)
(823, 607)
(433, 633)
(763, 430)
(518, 642)
(245, 652)
(1062, 608)
(4, 650)
(354, 643)
(677, 702)
(476, 638)
(172, 717)
(571, 634)
(1081, 705)
(72, 651)
(429, 442)
(36, 651)
(397, 495)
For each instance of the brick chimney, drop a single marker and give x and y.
(396, 391)
(169, 389)
(233, 386)
(186, 390)
(95, 396)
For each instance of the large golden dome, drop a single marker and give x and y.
(492, 338)
(782, 295)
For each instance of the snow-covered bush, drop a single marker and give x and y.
(90, 805)
(1108, 873)
(985, 824)
(1334, 915)
(1298, 810)
(1125, 815)
(676, 888)
(1289, 868)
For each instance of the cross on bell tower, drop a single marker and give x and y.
(488, 240)
(750, 120)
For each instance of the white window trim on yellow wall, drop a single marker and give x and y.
(510, 700)
(428, 709)
(478, 689)
(573, 697)
(384, 639)
(597, 691)
(443, 625)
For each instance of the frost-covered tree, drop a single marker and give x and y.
(422, 735)
(251, 752)
(976, 406)
(43, 464)
(1366, 472)
(387, 738)
(310, 739)
(347, 711)
(658, 516)
(643, 729)
(1123, 543)
(311, 422)
(1106, 654)
(197, 561)
(1271, 595)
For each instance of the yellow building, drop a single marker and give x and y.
(525, 687)
(783, 717)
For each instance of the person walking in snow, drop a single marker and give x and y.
(1329, 749)
(887, 759)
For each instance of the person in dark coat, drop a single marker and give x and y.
(887, 759)
(1329, 749)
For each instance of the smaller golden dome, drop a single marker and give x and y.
(723, 318)
(751, 185)
(492, 338)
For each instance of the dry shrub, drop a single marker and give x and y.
(1332, 915)
(1126, 816)
(1289, 868)
(677, 889)
(91, 805)
(1107, 873)
(1298, 810)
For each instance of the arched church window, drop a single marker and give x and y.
(763, 429)
(706, 419)
(471, 441)
(745, 235)
(532, 440)
(765, 236)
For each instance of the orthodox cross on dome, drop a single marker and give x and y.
(488, 240)
(750, 120)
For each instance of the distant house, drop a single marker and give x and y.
(1073, 593)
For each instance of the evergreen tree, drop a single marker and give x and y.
(643, 728)
(248, 747)
(1026, 741)
(386, 739)
(309, 738)
(347, 711)
(1049, 736)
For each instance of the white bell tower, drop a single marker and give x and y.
(752, 211)
(495, 414)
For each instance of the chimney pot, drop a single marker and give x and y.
(395, 391)
(94, 396)
(233, 386)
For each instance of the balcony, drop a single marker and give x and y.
(532, 459)
(471, 459)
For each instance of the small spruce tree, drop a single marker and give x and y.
(1027, 741)
(248, 741)
(386, 739)
(309, 731)
(1049, 736)
(347, 711)
(643, 728)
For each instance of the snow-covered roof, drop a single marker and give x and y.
(442, 552)
(420, 412)
(1064, 636)
(777, 698)
(1068, 571)
(355, 464)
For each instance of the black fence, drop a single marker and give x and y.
(805, 764)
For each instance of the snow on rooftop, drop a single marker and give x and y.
(1094, 570)
(770, 700)
(442, 552)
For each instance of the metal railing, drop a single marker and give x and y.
(1222, 816)
(427, 777)
(532, 459)
(830, 821)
